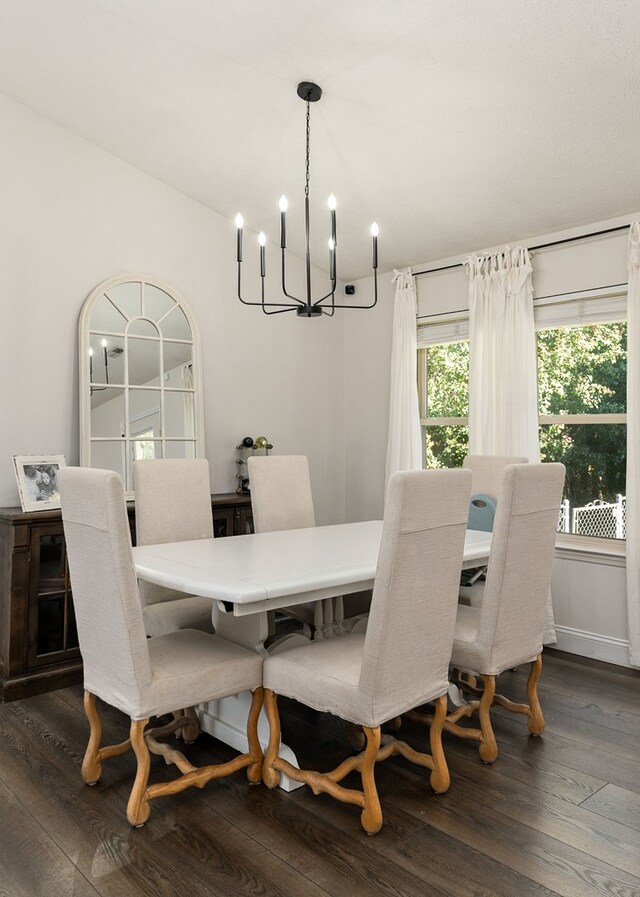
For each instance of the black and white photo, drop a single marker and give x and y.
(37, 477)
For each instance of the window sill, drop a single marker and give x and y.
(611, 552)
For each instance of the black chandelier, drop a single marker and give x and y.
(308, 307)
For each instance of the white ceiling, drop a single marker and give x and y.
(456, 125)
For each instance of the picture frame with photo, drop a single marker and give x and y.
(37, 477)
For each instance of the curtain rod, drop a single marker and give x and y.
(465, 311)
(597, 233)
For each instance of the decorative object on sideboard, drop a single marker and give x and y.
(309, 307)
(36, 476)
(245, 448)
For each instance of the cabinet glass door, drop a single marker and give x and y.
(52, 625)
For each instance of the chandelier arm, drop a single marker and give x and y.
(280, 311)
(331, 292)
(284, 305)
(284, 289)
(375, 296)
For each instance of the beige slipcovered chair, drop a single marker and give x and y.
(281, 499)
(508, 628)
(487, 471)
(141, 677)
(173, 504)
(403, 658)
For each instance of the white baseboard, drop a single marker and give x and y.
(590, 644)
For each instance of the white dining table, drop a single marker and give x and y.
(247, 576)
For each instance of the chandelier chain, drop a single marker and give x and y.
(306, 167)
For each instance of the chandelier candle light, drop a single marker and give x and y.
(307, 308)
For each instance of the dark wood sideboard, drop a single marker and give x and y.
(38, 639)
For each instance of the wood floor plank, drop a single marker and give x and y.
(619, 719)
(549, 862)
(31, 864)
(589, 732)
(587, 683)
(517, 763)
(587, 758)
(460, 870)
(617, 803)
(577, 826)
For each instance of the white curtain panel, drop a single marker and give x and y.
(404, 446)
(633, 445)
(503, 385)
(503, 374)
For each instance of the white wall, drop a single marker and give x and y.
(74, 215)
(589, 599)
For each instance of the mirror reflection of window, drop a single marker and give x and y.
(143, 446)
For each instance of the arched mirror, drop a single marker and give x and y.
(140, 376)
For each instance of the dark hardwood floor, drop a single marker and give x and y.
(554, 815)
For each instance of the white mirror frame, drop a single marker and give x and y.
(84, 330)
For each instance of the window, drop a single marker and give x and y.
(582, 368)
(582, 399)
(443, 376)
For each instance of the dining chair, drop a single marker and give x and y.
(487, 472)
(173, 504)
(507, 629)
(403, 658)
(281, 499)
(142, 677)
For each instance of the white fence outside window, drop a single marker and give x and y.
(606, 520)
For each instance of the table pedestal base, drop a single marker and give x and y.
(226, 720)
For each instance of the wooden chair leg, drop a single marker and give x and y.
(440, 778)
(189, 729)
(138, 807)
(254, 772)
(91, 765)
(270, 775)
(371, 816)
(355, 737)
(488, 749)
(536, 719)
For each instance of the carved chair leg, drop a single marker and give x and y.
(270, 775)
(254, 772)
(91, 765)
(488, 749)
(536, 719)
(138, 807)
(191, 731)
(439, 779)
(371, 816)
(355, 737)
